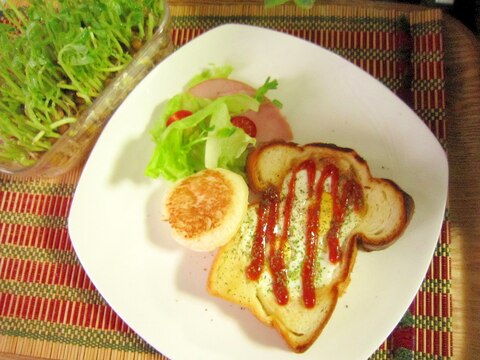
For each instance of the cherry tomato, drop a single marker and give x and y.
(245, 124)
(178, 115)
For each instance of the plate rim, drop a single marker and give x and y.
(231, 27)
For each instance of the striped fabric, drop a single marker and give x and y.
(50, 309)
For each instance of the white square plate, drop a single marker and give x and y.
(159, 288)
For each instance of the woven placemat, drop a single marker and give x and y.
(50, 309)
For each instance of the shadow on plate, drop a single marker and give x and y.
(133, 158)
(158, 229)
(192, 277)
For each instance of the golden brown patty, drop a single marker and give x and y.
(206, 209)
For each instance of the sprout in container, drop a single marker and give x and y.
(64, 69)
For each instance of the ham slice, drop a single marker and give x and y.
(270, 122)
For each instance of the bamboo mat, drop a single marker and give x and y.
(50, 309)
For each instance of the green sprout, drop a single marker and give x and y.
(56, 58)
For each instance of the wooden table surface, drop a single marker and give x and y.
(462, 59)
(463, 111)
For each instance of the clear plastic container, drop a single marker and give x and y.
(77, 142)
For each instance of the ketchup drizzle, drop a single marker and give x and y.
(311, 235)
(264, 234)
(268, 216)
(351, 191)
(277, 259)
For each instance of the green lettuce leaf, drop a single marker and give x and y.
(225, 143)
(204, 139)
(215, 72)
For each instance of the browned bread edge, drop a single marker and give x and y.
(302, 152)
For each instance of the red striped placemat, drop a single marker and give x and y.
(50, 309)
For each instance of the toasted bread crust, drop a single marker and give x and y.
(386, 212)
(269, 164)
(293, 154)
(407, 205)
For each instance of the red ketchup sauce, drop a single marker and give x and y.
(267, 240)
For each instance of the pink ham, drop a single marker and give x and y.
(270, 123)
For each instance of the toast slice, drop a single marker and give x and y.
(293, 254)
(388, 207)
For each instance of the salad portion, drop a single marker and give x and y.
(212, 124)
